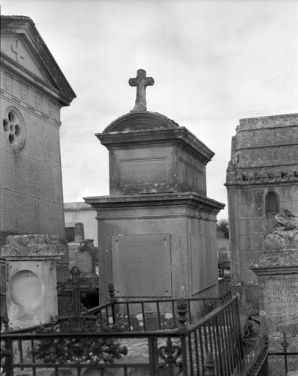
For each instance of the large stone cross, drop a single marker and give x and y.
(141, 82)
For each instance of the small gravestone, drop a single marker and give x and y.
(31, 278)
(85, 261)
(74, 246)
(79, 232)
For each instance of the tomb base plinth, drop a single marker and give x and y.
(31, 278)
(160, 245)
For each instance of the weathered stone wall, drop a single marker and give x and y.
(31, 181)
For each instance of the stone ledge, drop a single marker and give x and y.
(33, 245)
(268, 121)
(263, 270)
(158, 199)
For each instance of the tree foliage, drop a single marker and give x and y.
(223, 226)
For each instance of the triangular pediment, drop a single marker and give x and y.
(18, 49)
(23, 47)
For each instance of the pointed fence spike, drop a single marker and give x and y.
(284, 343)
(209, 365)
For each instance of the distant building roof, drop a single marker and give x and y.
(77, 206)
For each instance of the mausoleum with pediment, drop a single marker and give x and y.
(33, 91)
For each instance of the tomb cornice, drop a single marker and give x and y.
(156, 199)
(178, 135)
(262, 147)
(260, 270)
(33, 247)
(268, 122)
(30, 79)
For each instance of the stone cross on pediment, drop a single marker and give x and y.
(15, 49)
(141, 82)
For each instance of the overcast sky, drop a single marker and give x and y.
(214, 62)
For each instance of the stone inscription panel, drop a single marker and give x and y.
(280, 301)
(143, 169)
(142, 265)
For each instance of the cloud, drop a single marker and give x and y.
(213, 62)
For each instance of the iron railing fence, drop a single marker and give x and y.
(281, 364)
(134, 314)
(283, 361)
(210, 346)
(154, 314)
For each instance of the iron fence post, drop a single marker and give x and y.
(7, 354)
(285, 345)
(266, 343)
(111, 290)
(153, 359)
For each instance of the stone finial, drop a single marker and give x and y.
(141, 82)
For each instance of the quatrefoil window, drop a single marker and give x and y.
(13, 127)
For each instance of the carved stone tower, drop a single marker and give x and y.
(157, 232)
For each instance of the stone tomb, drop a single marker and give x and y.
(31, 279)
(157, 229)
